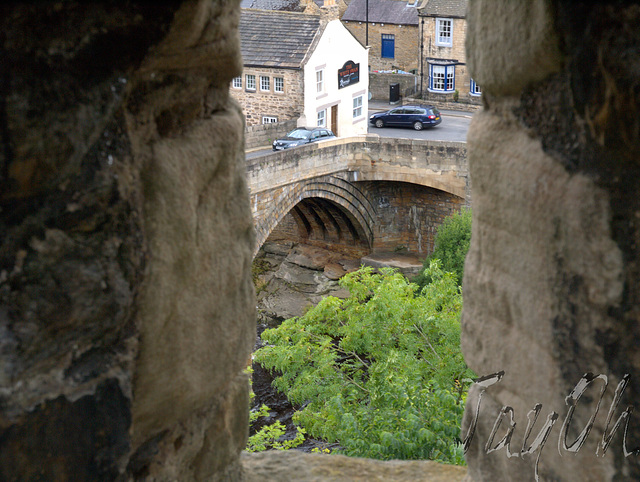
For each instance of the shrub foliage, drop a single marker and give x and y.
(379, 372)
(451, 245)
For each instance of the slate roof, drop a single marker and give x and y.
(271, 38)
(445, 8)
(280, 5)
(396, 12)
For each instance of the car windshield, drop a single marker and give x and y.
(298, 134)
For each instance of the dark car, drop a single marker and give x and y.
(416, 116)
(302, 135)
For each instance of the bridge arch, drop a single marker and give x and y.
(328, 203)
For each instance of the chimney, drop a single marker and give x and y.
(330, 10)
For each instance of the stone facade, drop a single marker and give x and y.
(456, 52)
(406, 42)
(551, 282)
(408, 215)
(126, 305)
(257, 103)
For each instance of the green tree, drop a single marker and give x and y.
(451, 245)
(379, 372)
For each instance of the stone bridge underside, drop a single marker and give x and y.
(359, 194)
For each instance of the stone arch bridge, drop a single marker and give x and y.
(359, 194)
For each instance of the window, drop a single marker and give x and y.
(269, 119)
(474, 89)
(442, 78)
(264, 84)
(237, 83)
(387, 50)
(250, 82)
(278, 84)
(319, 81)
(443, 32)
(357, 106)
(322, 118)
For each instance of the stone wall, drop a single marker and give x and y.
(262, 135)
(258, 103)
(126, 306)
(406, 44)
(408, 215)
(379, 85)
(552, 279)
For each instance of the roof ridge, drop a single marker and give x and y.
(280, 12)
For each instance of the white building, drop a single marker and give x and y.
(336, 80)
(300, 66)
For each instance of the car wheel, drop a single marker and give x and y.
(418, 125)
(379, 123)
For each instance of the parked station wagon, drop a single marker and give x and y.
(302, 135)
(416, 116)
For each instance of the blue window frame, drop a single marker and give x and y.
(474, 89)
(442, 78)
(388, 46)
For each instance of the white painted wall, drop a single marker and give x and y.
(336, 46)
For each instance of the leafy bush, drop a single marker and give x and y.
(379, 372)
(268, 437)
(451, 246)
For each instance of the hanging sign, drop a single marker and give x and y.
(348, 74)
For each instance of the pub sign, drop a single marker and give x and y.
(348, 74)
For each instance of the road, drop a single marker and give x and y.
(454, 127)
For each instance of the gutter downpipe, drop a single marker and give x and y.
(366, 41)
(421, 56)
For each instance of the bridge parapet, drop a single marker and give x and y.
(438, 164)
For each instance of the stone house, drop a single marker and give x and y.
(443, 72)
(393, 34)
(303, 67)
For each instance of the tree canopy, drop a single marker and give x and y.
(378, 372)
